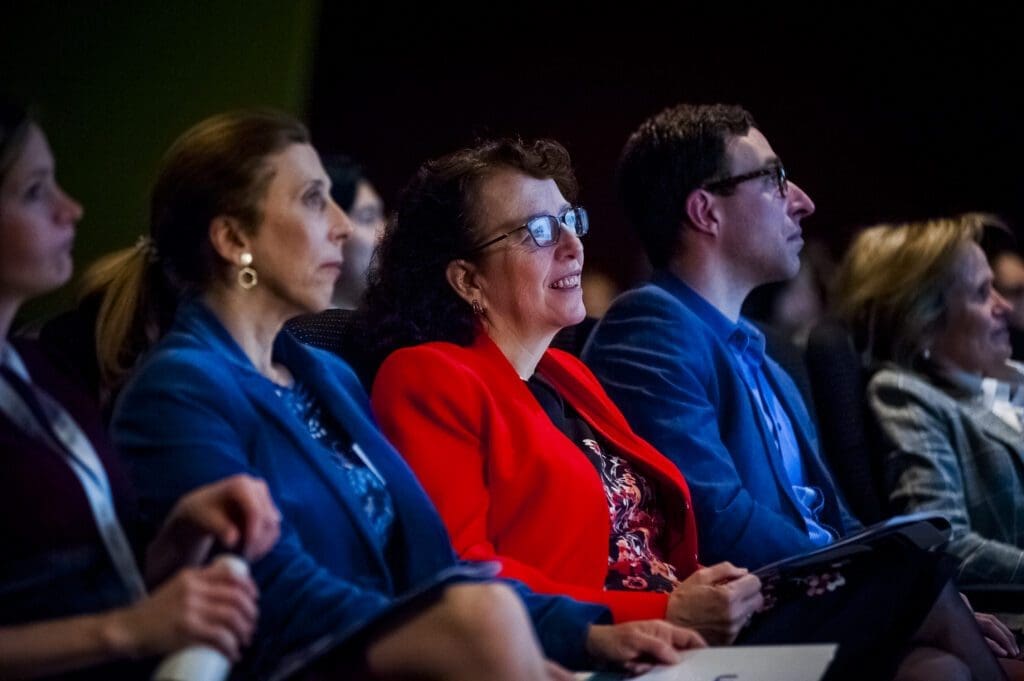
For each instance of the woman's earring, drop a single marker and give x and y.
(478, 309)
(927, 353)
(246, 275)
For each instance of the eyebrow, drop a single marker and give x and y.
(315, 183)
(45, 171)
(561, 210)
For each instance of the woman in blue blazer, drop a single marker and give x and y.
(243, 225)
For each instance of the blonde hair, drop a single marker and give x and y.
(892, 284)
(127, 321)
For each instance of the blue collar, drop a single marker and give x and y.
(195, 318)
(746, 338)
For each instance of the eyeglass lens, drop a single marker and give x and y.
(545, 229)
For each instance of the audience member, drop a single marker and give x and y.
(73, 601)
(1004, 256)
(532, 465)
(243, 224)
(354, 194)
(711, 203)
(921, 302)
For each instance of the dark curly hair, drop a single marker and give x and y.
(409, 300)
(670, 155)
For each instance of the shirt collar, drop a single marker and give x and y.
(720, 325)
(743, 336)
(748, 340)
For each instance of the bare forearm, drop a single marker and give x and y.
(43, 648)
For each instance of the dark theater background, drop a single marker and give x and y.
(879, 114)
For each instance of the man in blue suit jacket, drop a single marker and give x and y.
(710, 200)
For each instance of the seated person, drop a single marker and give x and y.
(530, 463)
(921, 302)
(73, 601)
(242, 222)
(712, 205)
(354, 194)
(1004, 256)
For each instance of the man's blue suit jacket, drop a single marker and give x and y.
(198, 411)
(661, 353)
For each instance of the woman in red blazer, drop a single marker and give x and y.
(544, 476)
(530, 463)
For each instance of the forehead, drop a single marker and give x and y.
(365, 195)
(293, 167)
(33, 157)
(749, 152)
(971, 265)
(511, 197)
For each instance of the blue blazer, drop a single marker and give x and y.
(661, 353)
(198, 411)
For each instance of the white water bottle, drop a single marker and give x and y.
(201, 662)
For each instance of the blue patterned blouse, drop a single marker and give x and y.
(354, 470)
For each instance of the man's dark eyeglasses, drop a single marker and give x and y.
(775, 170)
(546, 229)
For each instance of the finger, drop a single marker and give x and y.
(994, 629)
(264, 539)
(720, 572)
(684, 638)
(229, 609)
(235, 592)
(224, 572)
(648, 645)
(212, 634)
(996, 648)
(744, 587)
(753, 603)
(216, 521)
(637, 668)
(556, 672)
(260, 519)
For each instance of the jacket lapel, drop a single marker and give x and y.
(261, 391)
(997, 429)
(425, 533)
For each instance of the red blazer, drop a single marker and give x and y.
(509, 485)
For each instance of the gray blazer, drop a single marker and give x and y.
(951, 454)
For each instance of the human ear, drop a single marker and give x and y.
(702, 212)
(228, 238)
(463, 277)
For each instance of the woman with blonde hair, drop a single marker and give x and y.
(920, 301)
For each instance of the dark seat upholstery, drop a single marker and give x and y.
(850, 439)
(571, 339)
(342, 332)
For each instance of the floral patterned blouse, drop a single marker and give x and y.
(352, 468)
(635, 560)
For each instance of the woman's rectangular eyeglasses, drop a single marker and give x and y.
(546, 229)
